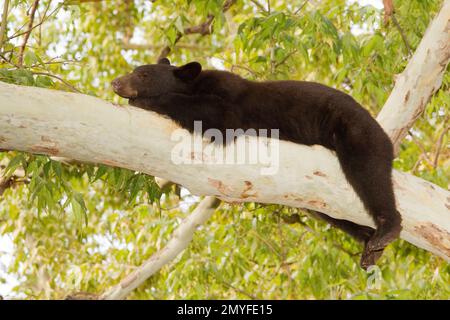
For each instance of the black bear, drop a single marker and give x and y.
(304, 112)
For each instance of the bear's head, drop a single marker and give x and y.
(156, 79)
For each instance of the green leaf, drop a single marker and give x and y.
(178, 23)
(30, 58)
(172, 34)
(44, 81)
(13, 165)
(79, 210)
(57, 168)
(101, 171)
(374, 44)
(6, 75)
(23, 77)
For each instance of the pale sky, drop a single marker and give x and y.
(376, 3)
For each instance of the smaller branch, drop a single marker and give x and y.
(135, 46)
(129, 28)
(166, 50)
(65, 82)
(28, 32)
(420, 145)
(5, 183)
(4, 22)
(39, 25)
(439, 145)
(202, 29)
(8, 61)
(11, 181)
(290, 54)
(18, 32)
(37, 65)
(229, 285)
(267, 243)
(402, 34)
(227, 5)
(236, 66)
(301, 7)
(45, 18)
(389, 13)
(388, 10)
(416, 165)
(180, 240)
(82, 296)
(259, 5)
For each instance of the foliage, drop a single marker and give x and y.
(82, 227)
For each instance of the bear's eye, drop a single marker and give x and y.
(142, 75)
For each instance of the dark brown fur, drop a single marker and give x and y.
(304, 112)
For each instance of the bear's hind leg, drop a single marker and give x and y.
(357, 231)
(366, 159)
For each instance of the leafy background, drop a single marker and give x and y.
(69, 227)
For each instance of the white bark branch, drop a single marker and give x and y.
(420, 80)
(89, 129)
(180, 239)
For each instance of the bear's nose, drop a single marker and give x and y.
(116, 84)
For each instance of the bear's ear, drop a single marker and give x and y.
(189, 71)
(164, 61)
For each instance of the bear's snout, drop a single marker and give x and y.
(122, 88)
(116, 84)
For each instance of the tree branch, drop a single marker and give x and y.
(5, 183)
(259, 5)
(65, 82)
(44, 18)
(134, 46)
(439, 143)
(28, 32)
(11, 181)
(203, 29)
(421, 78)
(402, 34)
(89, 129)
(4, 22)
(181, 238)
(388, 10)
